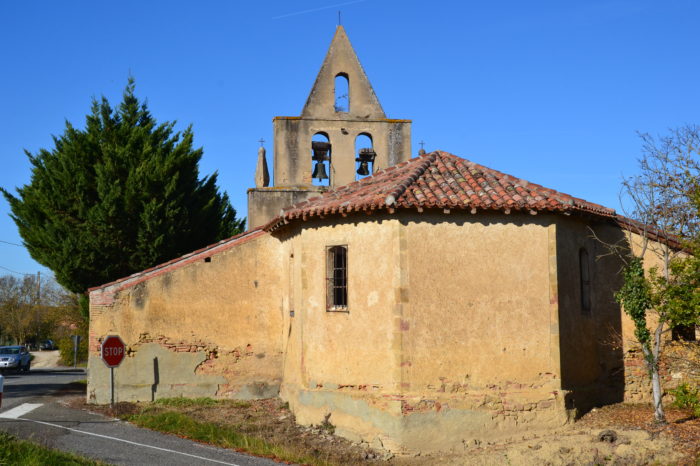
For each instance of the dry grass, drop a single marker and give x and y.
(268, 428)
(682, 428)
(260, 427)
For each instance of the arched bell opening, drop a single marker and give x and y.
(342, 93)
(320, 159)
(364, 163)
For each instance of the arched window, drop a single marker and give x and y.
(342, 93)
(364, 150)
(320, 159)
(585, 277)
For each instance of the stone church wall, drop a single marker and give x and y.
(421, 361)
(209, 324)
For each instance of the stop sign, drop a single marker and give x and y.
(113, 351)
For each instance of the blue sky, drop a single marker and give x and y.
(553, 92)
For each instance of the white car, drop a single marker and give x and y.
(14, 357)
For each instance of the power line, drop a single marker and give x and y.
(13, 244)
(14, 271)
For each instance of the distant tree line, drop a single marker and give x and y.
(34, 309)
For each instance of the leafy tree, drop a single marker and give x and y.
(664, 200)
(33, 309)
(18, 306)
(119, 196)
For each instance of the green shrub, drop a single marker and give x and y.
(65, 348)
(687, 397)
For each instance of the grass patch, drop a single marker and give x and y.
(80, 382)
(22, 452)
(181, 402)
(215, 434)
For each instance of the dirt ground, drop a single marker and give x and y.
(45, 359)
(633, 440)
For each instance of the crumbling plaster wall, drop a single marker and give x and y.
(452, 333)
(205, 328)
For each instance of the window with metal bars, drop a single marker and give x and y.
(337, 278)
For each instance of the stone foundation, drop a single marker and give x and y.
(442, 421)
(680, 363)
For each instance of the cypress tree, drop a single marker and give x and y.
(120, 196)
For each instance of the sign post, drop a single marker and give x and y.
(76, 344)
(112, 352)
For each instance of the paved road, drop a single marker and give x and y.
(31, 410)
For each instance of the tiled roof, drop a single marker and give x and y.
(438, 180)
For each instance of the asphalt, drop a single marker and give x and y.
(31, 409)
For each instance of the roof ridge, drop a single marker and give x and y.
(413, 175)
(565, 198)
(438, 179)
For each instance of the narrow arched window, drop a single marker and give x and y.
(342, 93)
(320, 159)
(585, 277)
(364, 161)
(337, 278)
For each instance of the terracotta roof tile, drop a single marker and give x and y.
(440, 180)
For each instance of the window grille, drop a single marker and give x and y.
(337, 279)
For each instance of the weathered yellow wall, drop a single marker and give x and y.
(215, 327)
(451, 336)
(344, 363)
(479, 328)
(473, 286)
(461, 329)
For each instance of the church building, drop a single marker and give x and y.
(418, 304)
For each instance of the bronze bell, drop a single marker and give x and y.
(320, 171)
(364, 169)
(365, 156)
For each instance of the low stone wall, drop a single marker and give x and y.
(443, 418)
(680, 363)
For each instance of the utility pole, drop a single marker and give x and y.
(37, 305)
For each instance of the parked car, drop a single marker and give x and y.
(14, 357)
(47, 345)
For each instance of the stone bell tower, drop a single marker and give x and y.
(341, 136)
